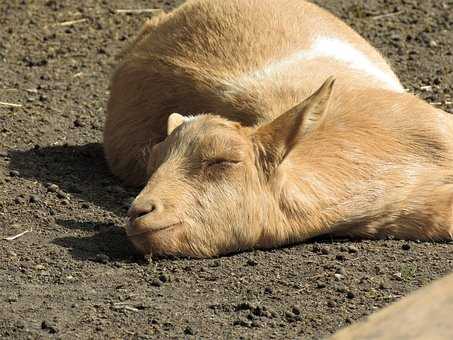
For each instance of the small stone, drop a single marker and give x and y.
(34, 199)
(340, 257)
(101, 258)
(340, 288)
(215, 263)
(398, 276)
(14, 173)
(320, 284)
(39, 267)
(61, 194)
(341, 271)
(406, 246)
(316, 248)
(339, 276)
(156, 283)
(352, 249)
(244, 306)
(49, 327)
(52, 187)
(78, 123)
(164, 278)
(296, 310)
(383, 285)
(255, 324)
(432, 43)
(189, 331)
(292, 317)
(251, 263)
(350, 295)
(243, 323)
(331, 303)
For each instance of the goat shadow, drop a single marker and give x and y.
(82, 172)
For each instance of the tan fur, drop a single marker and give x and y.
(262, 165)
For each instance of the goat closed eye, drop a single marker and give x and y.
(220, 162)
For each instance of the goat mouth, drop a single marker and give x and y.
(151, 230)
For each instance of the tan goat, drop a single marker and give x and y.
(254, 160)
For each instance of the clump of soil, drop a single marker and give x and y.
(74, 273)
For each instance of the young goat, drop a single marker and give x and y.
(254, 159)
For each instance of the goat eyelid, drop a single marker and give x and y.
(220, 161)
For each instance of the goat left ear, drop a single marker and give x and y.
(278, 137)
(174, 120)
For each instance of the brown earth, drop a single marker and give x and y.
(73, 275)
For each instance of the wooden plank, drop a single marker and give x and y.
(425, 314)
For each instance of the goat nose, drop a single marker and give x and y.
(139, 209)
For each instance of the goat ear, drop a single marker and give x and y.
(277, 138)
(174, 120)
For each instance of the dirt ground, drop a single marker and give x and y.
(74, 276)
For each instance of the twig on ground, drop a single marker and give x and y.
(377, 17)
(12, 238)
(122, 305)
(71, 22)
(138, 11)
(10, 104)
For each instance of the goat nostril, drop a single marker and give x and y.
(137, 211)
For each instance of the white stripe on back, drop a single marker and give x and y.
(327, 48)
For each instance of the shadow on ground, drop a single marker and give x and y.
(82, 172)
(109, 240)
(78, 170)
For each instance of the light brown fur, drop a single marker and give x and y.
(262, 165)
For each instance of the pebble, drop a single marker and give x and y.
(339, 276)
(78, 123)
(242, 322)
(14, 173)
(189, 331)
(320, 284)
(164, 278)
(34, 198)
(49, 326)
(156, 283)
(383, 285)
(352, 249)
(268, 290)
(61, 194)
(350, 295)
(406, 246)
(398, 276)
(341, 271)
(291, 317)
(340, 288)
(52, 187)
(251, 263)
(340, 257)
(316, 248)
(101, 258)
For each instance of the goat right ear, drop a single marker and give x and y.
(174, 120)
(277, 138)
